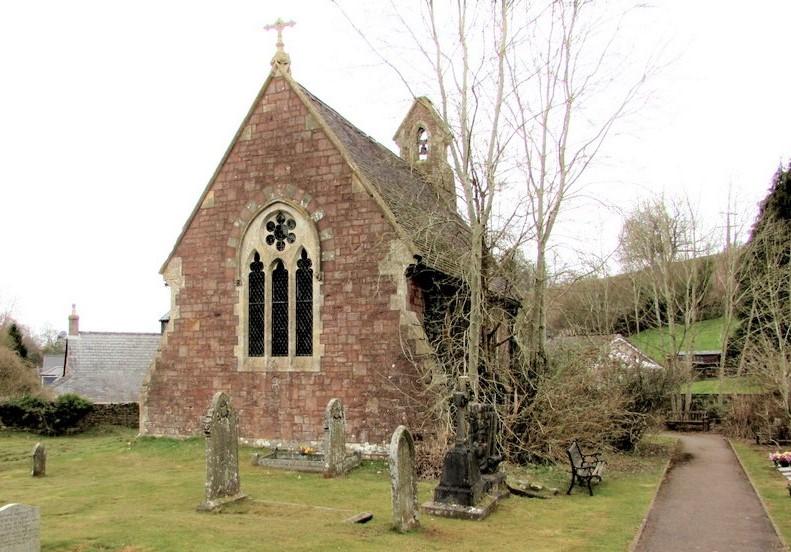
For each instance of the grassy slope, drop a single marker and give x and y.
(107, 491)
(655, 342)
(707, 337)
(769, 483)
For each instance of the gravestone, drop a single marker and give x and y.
(471, 484)
(39, 461)
(334, 439)
(220, 425)
(403, 480)
(19, 528)
(332, 461)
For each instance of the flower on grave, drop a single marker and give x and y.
(307, 450)
(780, 457)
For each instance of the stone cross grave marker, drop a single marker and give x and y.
(20, 528)
(220, 425)
(334, 438)
(39, 461)
(403, 480)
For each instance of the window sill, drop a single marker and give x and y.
(281, 364)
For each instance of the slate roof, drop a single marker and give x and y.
(107, 367)
(438, 232)
(52, 364)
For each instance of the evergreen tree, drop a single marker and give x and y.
(16, 341)
(770, 234)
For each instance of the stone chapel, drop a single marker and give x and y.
(294, 279)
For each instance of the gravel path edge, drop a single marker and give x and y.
(755, 490)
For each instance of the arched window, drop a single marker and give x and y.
(256, 307)
(279, 310)
(422, 143)
(304, 311)
(279, 317)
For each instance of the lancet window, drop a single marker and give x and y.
(256, 306)
(279, 310)
(304, 305)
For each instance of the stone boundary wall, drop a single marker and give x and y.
(126, 414)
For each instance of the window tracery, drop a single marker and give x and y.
(280, 231)
(279, 295)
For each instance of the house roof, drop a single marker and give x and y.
(435, 232)
(439, 234)
(52, 364)
(614, 346)
(107, 367)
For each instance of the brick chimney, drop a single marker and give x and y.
(74, 321)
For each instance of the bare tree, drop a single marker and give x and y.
(562, 72)
(664, 241)
(476, 153)
(727, 279)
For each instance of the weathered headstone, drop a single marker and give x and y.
(403, 480)
(19, 528)
(220, 425)
(39, 461)
(334, 439)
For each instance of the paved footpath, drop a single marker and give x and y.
(706, 503)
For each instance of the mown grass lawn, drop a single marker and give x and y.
(108, 491)
(769, 483)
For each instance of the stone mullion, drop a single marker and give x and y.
(268, 310)
(292, 310)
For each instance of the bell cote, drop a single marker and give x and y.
(423, 140)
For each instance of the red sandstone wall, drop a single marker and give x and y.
(362, 362)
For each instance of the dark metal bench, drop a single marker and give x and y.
(690, 418)
(770, 438)
(585, 468)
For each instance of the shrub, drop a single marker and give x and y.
(16, 376)
(44, 416)
(582, 394)
(70, 409)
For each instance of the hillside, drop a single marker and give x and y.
(656, 341)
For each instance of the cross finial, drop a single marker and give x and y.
(281, 57)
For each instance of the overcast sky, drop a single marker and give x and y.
(114, 114)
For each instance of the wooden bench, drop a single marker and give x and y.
(691, 418)
(585, 468)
